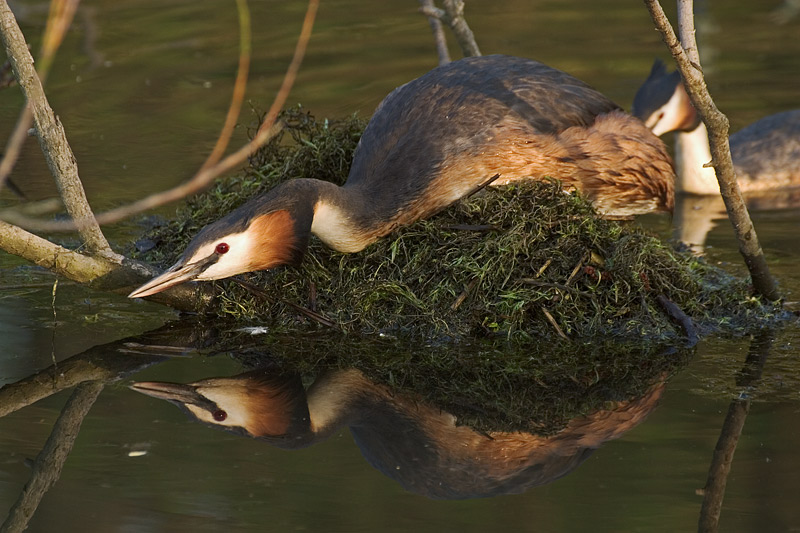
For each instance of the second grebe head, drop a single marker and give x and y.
(662, 102)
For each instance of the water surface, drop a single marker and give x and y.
(142, 88)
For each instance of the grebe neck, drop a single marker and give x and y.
(692, 151)
(342, 218)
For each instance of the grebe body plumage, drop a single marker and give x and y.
(433, 141)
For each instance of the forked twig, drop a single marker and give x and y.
(453, 16)
(429, 9)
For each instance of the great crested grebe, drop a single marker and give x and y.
(431, 142)
(416, 443)
(766, 154)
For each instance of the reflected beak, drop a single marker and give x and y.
(173, 392)
(175, 275)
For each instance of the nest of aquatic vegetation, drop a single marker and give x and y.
(525, 262)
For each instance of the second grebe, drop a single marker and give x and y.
(766, 154)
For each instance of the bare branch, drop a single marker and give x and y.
(464, 35)
(239, 87)
(207, 174)
(453, 16)
(62, 261)
(14, 144)
(294, 66)
(99, 271)
(111, 272)
(439, 40)
(108, 271)
(686, 33)
(50, 132)
(58, 21)
(717, 124)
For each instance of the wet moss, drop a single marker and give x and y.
(526, 262)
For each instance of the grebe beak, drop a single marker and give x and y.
(174, 392)
(175, 275)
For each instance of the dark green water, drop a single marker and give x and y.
(142, 88)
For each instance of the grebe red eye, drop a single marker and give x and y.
(219, 415)
(222, 248)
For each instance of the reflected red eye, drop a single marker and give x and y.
(222, 248)
(219, 415)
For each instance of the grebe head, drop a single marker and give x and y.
(662, 102)
(269, 231)
(254, 403)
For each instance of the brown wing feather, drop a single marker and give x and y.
(435, 118)
(433, 139)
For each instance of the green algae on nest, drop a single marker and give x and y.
(523, 261)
